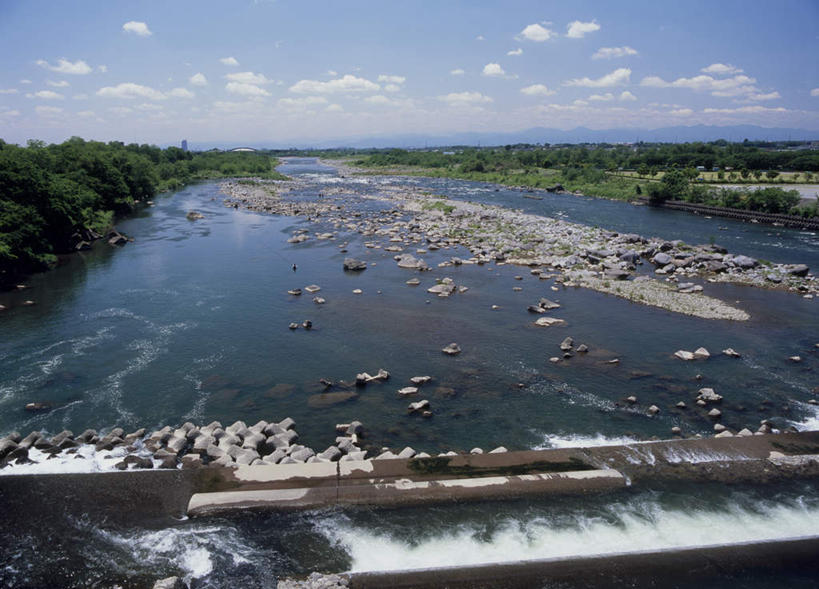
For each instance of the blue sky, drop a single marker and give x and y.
(293, 71)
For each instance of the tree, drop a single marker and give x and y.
(771, 174)
(643, 170)
(757, 174)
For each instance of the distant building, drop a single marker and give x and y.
(184, 145)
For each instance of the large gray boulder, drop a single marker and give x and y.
(745, 262)
(353, 265)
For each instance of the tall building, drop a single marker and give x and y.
(184, 145)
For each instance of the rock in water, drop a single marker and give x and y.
(452, 349)
(701, 354)
(684, 355)
(353, 265)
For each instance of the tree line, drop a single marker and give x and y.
(50, 192)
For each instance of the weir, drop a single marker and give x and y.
(396, 482)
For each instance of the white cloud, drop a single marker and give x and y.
(48, 110)
(64, 66)
(457, 72)
(814, 92)
(137, 27)
(756, 109)
(102, 68)
(129, 90)
(626, 95)
(332, 73)
(517, 51)
(86, 114)
(10, 113)
(334, 108)
(391, 79)
(456, 98)
(8, 91)
(537, 90)
(27, 81)
(493, 69)
(181, 93)
(80, 96)
(760, 97)
(392, 88)
(613, 52)
(617, 77)
(60, 84)
(347, 83)
(536, 32)
(148, 106)
(682, 112)
(46, 95)
(300, 103)
(725, 87)
(721, 69)
(601, 97)
(577, 29)
(198, 79)
(231, 61)
(248, 78)
(245, 89)
(120, 110)
(381, 100)
(578, 102)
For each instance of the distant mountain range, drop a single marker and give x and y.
(543, 135)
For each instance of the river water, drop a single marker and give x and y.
(189, 322)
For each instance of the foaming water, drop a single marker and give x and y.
(582, 441)
(811, 419)
(637, 525)
(86, 459)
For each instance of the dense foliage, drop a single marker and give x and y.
(49, 192)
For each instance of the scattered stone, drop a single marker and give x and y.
(295, 292)
(684, 355)
(420, 380)
(731, 353)
(631, 399)
(676, 430)
(353, 265)
(701, 354)
(715, 413)
(718, 427)
(357, 291)
(313, 288)
(653, 410)
(452, 349)
(795, 358)
(418, 406)
(549, 322)
(567, 344)
(707, 395)
(406, 391)
(192, 216)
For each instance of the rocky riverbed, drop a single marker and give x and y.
(650, 271)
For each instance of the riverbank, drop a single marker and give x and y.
(584, 256)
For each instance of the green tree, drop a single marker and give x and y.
(771, 174)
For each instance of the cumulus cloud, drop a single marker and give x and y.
(814, 92)
(457, 72)
(756, 109)
(493, 69)
(231, 61)
(46, 95)
(198, 79)
(27, 81)
(65, 66)
(8, 91)
(246, 89)
(739, 85)
(768, 96)
(626, 95)
(181, 93)
(721, 69)
(347, 83)
(392, 88)
(248, 78)
(10, 113)
(613, 52)
(616, 78)
(601, 97)
(517, 51)
(129, 90)
(391, 79)
(577, 29)
(334, 108)
(536, 32)
(381, 100)
(300, 103)
(48, 110)
(537, 90)
(460, 98)
(137, 28)
(681, 112)
(60, 84)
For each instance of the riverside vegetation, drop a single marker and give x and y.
(658, 171)
(50, 194)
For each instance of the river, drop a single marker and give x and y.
(190, 322)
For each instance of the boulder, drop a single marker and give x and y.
(684, 355)
(715, 413)
(302, 454)
(6, 447)
(707, 395)
(353, 265)
(582, 349)
(411, 262)
(547, 305)
(419, 380)
(798, 270)
(499, 450)
(567, 344)
(194, 216)
(701, 354)
(549, 322)
(730, 352)
(170, 583)
(408, 391)
(653, 410)
(418, 406)
(452, 349)
(406, 453)
(662, 259)
(745, 262)
(332, 454)
(356, 428)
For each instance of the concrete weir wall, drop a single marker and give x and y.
(395, 482)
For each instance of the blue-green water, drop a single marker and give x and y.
(190, 322)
